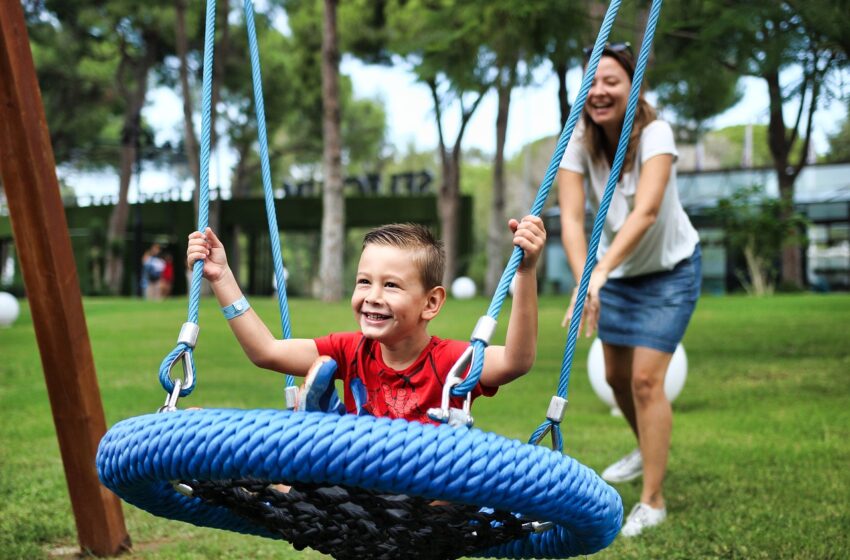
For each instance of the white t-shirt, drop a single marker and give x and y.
(671, 238)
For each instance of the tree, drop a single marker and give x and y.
(757, 226)
(331, 262)
(84, 69)
(131, 38)
(190, 140)
(689, 77)
(520, 36)
(763, 38)
(443, 42)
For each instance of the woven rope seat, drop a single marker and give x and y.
(142, 458)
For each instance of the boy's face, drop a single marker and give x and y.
(389, 301)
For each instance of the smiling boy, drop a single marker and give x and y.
(393, 359)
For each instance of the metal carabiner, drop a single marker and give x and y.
(446, 414)
(171, 400)
(188, 368)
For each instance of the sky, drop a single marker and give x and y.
(534, 110)
(410, 118)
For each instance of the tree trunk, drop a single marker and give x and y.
(563, 99)
(239, 189)
(190, 140)
(448, 198)
(135, 100)
(333, 204)
(497, 230)
(780, 150)
(448, 204)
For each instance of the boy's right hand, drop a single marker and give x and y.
(207, 247)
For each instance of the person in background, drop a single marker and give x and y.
(166, 281)
(647, 278)
(152, 267)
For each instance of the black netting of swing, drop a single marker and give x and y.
(350, 523)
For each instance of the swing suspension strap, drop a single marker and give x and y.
(558, 404)
(183, 352)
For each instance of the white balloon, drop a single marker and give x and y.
(9, 309)
(674, 381)
(463, 287)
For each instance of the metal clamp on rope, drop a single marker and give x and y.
(183, 488)
(291, 395)
(188, 336)
(555, 414)
(446, 414)
(557, 409)
(171, 400)
(484, 329)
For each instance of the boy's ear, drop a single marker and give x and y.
(435, 299)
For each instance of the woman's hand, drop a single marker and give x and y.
(598, 278)
(208, 248)
(590, 313)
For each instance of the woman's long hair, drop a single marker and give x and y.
(594, 138)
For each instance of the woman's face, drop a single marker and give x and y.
(609, 93)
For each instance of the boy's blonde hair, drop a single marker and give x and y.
(427, 250)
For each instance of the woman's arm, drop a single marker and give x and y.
(648, 198)
(572, 204)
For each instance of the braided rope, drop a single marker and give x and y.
(599, 222)
(542, 194)
(616, 167)
(138, 457)
(183, 350)
(203, 209)
(268, 193)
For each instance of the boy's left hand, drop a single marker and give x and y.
(530, 236)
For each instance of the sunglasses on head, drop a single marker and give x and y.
(611, 47)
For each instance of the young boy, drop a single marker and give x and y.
(396, 294)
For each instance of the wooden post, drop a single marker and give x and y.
(47, 262)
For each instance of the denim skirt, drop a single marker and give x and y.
(651, 310)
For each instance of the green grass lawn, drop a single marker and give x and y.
(759, 465)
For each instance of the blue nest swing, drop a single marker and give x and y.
(360, 486)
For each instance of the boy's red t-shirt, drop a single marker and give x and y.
(408, 393)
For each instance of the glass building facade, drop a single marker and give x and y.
(822, 194)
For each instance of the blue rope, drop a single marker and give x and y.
(271, 216)
(203, 208)
(138, 458)
(599, 222)
(183, 349)
(542, 194)
(516, 256)
(616, 167)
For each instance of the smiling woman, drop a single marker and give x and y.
(646, 282)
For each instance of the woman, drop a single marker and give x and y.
(646, 282)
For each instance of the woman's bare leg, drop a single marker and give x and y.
(618, 373)
(654, 419)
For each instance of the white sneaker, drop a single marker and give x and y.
(628, 468)
(642, 517)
